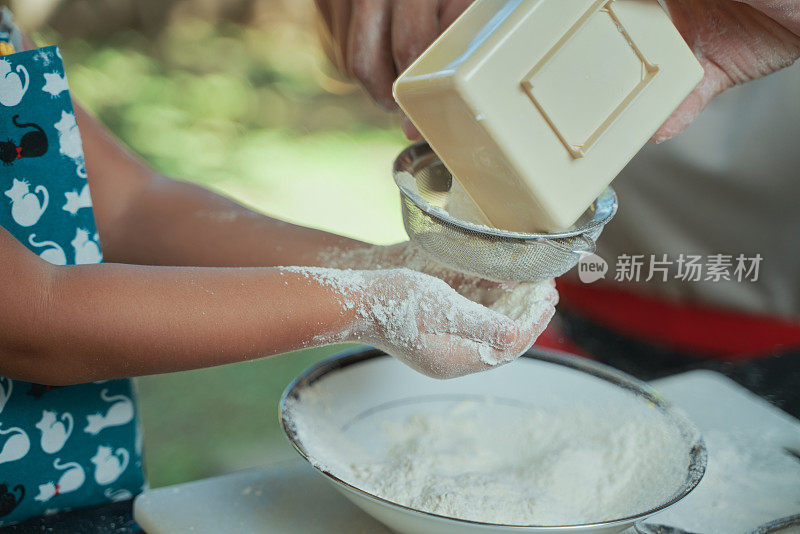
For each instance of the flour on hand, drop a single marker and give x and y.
(427, 324)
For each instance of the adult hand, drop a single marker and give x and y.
(736, 41)
(375, 40)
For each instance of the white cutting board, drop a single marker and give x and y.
(290, 497)
(283, 498)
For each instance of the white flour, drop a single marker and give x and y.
(459, 206)
(491, 463)
(424, 322)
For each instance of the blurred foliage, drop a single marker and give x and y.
(203, 423)
(254, 112)
(236, 96)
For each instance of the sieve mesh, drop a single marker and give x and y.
(488, 252)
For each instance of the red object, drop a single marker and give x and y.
(705, 332)
(19, 152)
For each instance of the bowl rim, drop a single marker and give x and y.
(774, 526)
(603, 209)
(778, 524)
(698, 454)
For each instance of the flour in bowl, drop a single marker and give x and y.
(482, 461)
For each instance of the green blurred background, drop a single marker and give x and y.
(238, 96)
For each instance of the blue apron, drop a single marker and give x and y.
(60, 447)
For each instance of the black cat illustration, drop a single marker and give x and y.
(8, 500)
(32, 145)
(37, 390)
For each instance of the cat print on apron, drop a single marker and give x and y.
(60, 447)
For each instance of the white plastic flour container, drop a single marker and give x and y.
(536, 105)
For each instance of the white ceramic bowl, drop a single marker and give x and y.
(367, 381)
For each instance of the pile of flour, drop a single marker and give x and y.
(540, 467)
(459, 204)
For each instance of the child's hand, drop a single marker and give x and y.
(424, 323)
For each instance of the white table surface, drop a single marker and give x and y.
(291, 497)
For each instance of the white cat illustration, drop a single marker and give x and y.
(54, 83)
(12, 88)
(6, 385)
(120, 413)
(72, 479)
(26, 208)
(109, 464)
(69, 140)
(15, 447)
(76, 201)
(118, 495)
(55, 430)
(86, 250)
(54, 255)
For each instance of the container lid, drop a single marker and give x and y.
(536, 105)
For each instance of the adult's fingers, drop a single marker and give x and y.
(369, 50)
(714, 82)
(415, 25)
(735, 41)
(336, 16)
(785, 12)
(410, 131)
(450, 10)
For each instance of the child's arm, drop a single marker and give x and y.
(147, 219)
(64, 325)
(61, 325)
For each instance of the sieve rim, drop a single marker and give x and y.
(602, 210)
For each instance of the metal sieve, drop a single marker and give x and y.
(488, 252)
